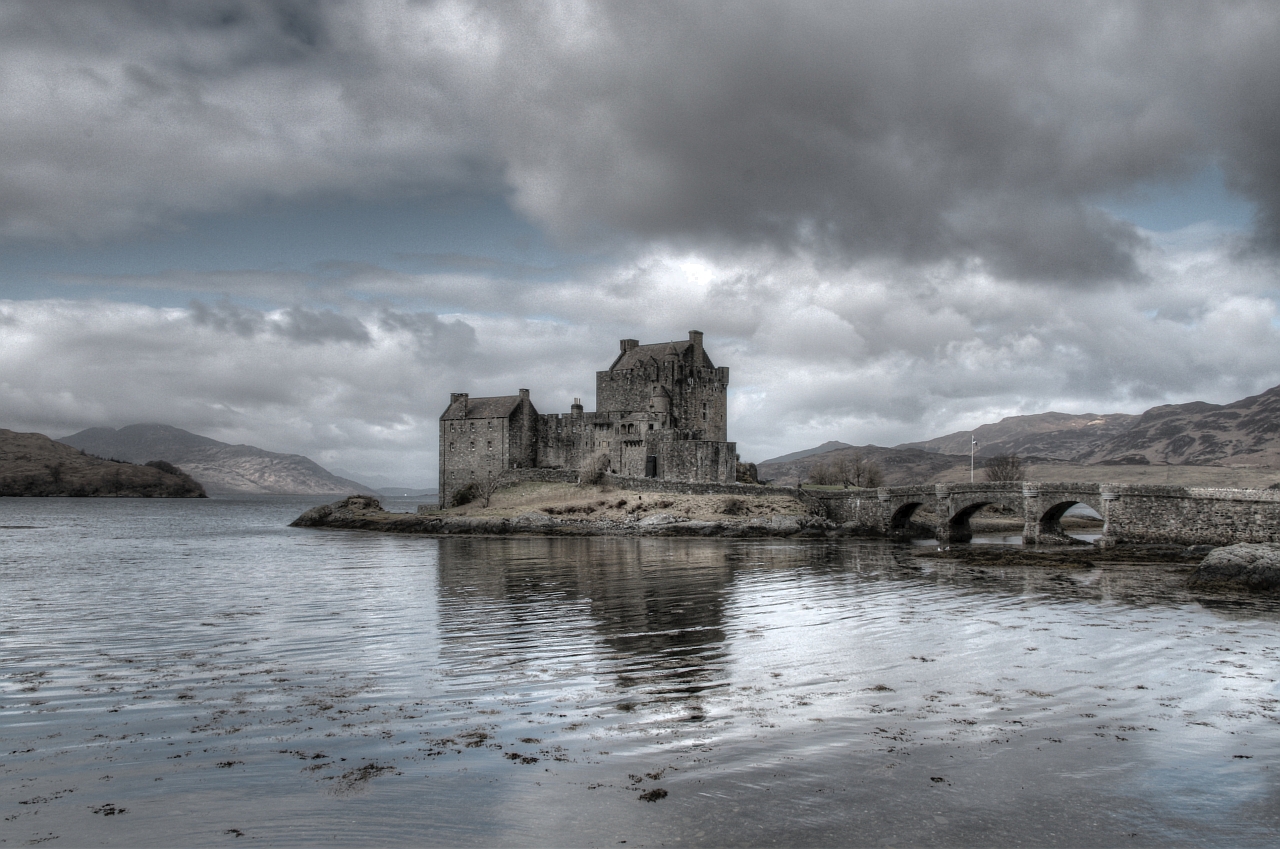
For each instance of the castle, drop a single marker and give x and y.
(660, 413)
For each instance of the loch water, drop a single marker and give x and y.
(198, 673)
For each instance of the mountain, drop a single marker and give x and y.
(34, 464)
(223, 469)
(1058, 436)
(1244, 432)
(1240, 438)
(808, 452)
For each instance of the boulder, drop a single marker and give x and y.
(1254, 567)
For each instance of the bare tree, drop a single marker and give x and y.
(845, 470)
(825, 474)
(489, 484)
(867, 473)
(1003, 467)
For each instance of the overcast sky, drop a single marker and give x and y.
(301, 225)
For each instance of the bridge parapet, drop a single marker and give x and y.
(1130, 513)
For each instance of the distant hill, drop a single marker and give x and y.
(808, 452)
(384, 484)
(1244, 432)
(34, 464)
(404, 492)
(1058, 436)
(899, 465)
(223, 469)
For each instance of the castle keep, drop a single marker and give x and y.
(660, 413)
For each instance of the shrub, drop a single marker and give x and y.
(733, 506)
(465, 495)
(593, 472)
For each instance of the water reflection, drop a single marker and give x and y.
(225, 675)
(655, 606)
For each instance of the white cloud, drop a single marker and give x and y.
(857, 355)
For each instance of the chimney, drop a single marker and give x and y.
(455, 397)
(628, 344)
(695, 336)
(524, 394)
(576, 409)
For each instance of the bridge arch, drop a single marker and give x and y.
(900, 522)
(959, 529)
(1048, 523)
(1046, 505)
(965, 504)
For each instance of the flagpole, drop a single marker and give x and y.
(973, 444)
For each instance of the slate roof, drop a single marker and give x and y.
(483, 408)
(639, 355)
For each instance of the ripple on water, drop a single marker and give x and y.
(204, 672)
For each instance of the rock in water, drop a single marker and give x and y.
(1254, 567)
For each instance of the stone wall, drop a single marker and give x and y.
(1131, 514)
(544, 476)
(1138, 514)
(698, 460)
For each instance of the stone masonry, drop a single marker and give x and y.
(1131, 514)
(661, 413)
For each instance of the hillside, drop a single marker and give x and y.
(34, 464)
(223, 469)
(900, 466)
(1194, 444)
(809, 452)
(1058, 436)
(1244, 432)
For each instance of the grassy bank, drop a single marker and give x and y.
(614, 504)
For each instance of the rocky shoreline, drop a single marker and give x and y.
(1253, 568)
(358, 512)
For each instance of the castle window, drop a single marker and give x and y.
(490, 444)
(450, 446)
(650, 425)
(473, 445)
(473, 427)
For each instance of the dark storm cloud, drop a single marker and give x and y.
(297, 324)
(228, 318)
(319, 326)
(434, 339)
(919, 132)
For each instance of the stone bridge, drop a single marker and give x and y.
(1130, 514)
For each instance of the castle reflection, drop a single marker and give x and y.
(649, 614)
(650, 611)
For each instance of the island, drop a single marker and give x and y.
(32, 464)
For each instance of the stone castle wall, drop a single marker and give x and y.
(473, 450)
(661, 412)
(698, 460)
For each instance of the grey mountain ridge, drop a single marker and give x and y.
(1244, 433)
(222, 468)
